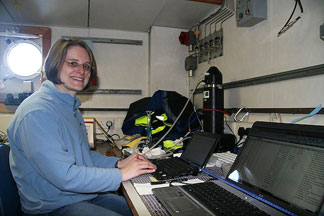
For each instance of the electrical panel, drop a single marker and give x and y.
(210, 47)
(250, 12)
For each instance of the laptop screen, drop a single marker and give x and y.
(284, 164)
(200, 147)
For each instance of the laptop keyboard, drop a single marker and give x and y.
(220, 201)
(173, 168)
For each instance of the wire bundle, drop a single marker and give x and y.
(291, 23)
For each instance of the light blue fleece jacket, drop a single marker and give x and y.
(50, 157)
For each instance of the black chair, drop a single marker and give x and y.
(9, 198)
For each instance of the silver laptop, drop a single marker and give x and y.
(280, 171)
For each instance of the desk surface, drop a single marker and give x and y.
(148, 204)
(134, 200)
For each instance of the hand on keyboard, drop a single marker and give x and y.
(134, 166)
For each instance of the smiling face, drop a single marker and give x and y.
(75, 71)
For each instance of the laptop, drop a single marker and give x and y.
(279, 170)
(195, 155)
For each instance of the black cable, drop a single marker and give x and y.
(189, 129)
(238, 142)
(115, 135)
(193, 103)
(300, 6)
(195, 108)
(181, 181)
(174, 123)
(229, 126)
(113, 140)
(108, 137)
(288, 21)
(191, 116)
(290, 16)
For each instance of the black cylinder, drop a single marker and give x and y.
(213, 103)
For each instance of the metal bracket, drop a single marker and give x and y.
(112, 91)
(107, 40)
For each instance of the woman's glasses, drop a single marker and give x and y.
(74, 64)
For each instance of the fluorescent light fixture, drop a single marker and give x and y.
(19, 35)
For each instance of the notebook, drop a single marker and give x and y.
(279, 170)
(196, 154)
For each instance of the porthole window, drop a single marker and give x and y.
(24, 59)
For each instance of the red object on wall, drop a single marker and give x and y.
(184, 38)
(94, 82)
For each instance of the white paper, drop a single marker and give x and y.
(146, 188)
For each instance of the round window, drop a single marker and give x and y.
(24, 59)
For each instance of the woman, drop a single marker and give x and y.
(55, 172)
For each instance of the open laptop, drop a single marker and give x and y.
(280, 170)
(196, 154)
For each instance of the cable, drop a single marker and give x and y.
(229, 126)
(200, 124)
(105, 132)
(291, 15)
(172, 126)
(211, 16)
(194, 107)
(216, 110)
(288, 23)
(177, 144)
(175, 121)
(115, 135)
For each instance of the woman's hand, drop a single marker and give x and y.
(134, 166)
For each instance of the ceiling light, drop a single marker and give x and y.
(19, 35)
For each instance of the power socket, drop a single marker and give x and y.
(110, 124)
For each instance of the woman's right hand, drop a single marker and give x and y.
(136, 165)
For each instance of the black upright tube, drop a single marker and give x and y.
(213, 103)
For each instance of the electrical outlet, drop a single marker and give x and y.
(110, 124)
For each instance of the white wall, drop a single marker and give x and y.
(157, 64)
(119, 66)
(256, 51)
(4, 121)
(167, 61)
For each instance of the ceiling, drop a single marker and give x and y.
(130, 15)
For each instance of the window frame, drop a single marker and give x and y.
(11, 47)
